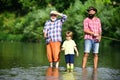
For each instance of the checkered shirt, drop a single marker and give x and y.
(92, 25)
(53, 30)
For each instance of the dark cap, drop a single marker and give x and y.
(92, 8)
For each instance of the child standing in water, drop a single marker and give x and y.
(69, 46)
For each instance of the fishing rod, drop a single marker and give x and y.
(110, 38)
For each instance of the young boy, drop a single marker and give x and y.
(69, 46)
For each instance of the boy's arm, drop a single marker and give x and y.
(76, 50)
(62, 48)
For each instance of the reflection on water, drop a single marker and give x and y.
(94, 75)
(85, 75)
(52, 73)
(47, 73)
(68, 76)
(28, 61)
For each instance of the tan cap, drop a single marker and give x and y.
(54, 12)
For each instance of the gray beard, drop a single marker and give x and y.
(53, 19)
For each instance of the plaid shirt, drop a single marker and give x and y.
(92, 25)
(53, 30)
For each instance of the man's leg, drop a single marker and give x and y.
(85, 60)
(87, 48)
(49, 54)
(57, 64)
(56, 52)
(95, 51)
(95, 60)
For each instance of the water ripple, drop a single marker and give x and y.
(40, 73)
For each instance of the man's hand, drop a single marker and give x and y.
(99, 38)
(56, 12)
(60, 14)
(95, 35)
(45, 35)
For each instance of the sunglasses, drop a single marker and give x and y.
(53, 15)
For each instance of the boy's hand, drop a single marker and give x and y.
(77, 54)
(62, 49)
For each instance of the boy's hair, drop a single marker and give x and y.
(69, 33)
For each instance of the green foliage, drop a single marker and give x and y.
(29, 27)
(74, 22)
(115, 29)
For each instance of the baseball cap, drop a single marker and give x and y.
(92, 8)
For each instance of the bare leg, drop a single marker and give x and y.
(51, 64)
(85, 60)
(95, 60)
(57, 64)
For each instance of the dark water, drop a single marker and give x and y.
(28, 61)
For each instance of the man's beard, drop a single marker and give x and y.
(53, 19)
(91, 15)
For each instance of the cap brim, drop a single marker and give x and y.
(53, 13)
(92, 9)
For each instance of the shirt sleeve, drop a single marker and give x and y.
(64, 17)
(45, 27)
(63, 45)
(85, 24)
(74, 44)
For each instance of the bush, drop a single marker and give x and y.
(30, 26)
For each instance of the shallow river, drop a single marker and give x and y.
(28, 61)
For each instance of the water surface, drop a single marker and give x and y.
(28, 61)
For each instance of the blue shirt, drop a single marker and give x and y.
(53, 30)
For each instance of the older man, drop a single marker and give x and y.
(92, 30)
(52, 33)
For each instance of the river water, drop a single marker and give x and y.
(28, 61)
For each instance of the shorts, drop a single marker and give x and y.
(53, 51)
(69, 58)
(91, 44)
